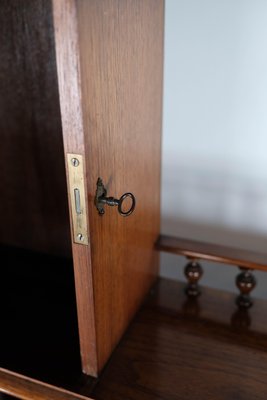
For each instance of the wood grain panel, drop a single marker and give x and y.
(33, 205)
(212, 252)
(183, 349)
(110, 56)
(121, 68)
(68, 67)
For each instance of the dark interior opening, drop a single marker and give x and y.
(39, 332)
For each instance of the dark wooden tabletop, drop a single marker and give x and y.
(201, 349)
(175, 348)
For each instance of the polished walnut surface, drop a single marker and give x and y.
(176, 348)
(179, 348)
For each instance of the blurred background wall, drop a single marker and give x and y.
(214, 178)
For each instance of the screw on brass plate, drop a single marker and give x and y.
(75, 162)
(80, 237)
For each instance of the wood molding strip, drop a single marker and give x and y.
(26, 388)
(212, 252)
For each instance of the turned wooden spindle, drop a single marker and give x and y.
(191, 307)
(241, 319)
(193, 272)
(245, 281)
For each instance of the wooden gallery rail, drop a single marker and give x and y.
(194, 250)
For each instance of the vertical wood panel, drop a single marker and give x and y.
(121, 69)
(33, 204)
(110, 56)
(67, 54)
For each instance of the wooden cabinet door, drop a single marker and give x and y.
(109, 60)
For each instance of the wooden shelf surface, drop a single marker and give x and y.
(175, 348)
(184, 349)
(212, 252)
